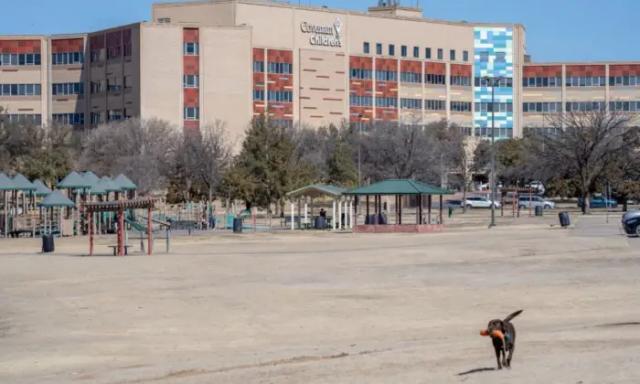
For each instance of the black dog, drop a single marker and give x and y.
(507, 344)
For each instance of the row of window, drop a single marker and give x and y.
(500, 82)
(461, 106)
(67, 89)
(542, 82)
(404, 51)
(585, 106)
(273, 67)
(580, 81)
(68, 118)
(461, 81)
(499, 132)
(489, 107)
(97, 55)
(20, 90)
(274, 96)
(112, 84)
(386, 102)
(361, 101)
(585, 81)
(386, 76)
(624, 81)
(408, 103)
(581, 106)
(66, 58)
(27, 118)
(12, 59)
(542, 107)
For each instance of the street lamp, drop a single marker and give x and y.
(493, 82)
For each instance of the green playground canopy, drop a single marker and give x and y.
(56, 199)
(6, 184)
(398, 187)
(74, 181)
(109, 185)
(22, 183)
(124, 183)
(41, 188)
(90, 178)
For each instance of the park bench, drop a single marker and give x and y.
(115, 249)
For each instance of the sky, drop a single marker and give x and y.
(557, 30)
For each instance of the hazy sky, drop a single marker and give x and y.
(557, 30)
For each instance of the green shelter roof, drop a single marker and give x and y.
(6, 184)
(56, 200)
(125, 183)
(318, 190)
(399, 187)
(41, 188)
(22, 183)
(74, 181)
(108, 185)
(90, 177)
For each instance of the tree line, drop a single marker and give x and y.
(587, 151)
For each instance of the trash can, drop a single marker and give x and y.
(565, 220)
(47, 244)
(320, 222)
(539, 210)
(237, 225)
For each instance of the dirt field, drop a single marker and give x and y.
(326, 308)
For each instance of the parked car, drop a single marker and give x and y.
(525, 202)
(480, 202)
(537, 187)
(631, 223)
(599, 202)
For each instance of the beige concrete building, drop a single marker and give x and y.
(203, 62)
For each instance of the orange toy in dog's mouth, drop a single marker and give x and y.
(496, 333)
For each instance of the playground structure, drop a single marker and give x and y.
(341, 207)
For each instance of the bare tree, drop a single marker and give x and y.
(144, 150)
(586, 145)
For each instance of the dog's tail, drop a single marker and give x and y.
(511, 316)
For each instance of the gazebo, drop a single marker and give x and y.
(119, 206)
(308, 193)
(399, 188)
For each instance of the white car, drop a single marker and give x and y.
(535, 201)
(480, 202)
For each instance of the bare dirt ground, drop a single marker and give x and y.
(326, 308)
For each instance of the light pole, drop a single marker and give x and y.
(493, 81)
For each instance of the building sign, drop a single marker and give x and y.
(323, 35)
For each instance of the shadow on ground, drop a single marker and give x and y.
(476, 370)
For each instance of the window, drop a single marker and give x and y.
(584, 106)
(452, 55)
(386, 102)
(542, 82)
(283, 68)
(427, 53)
(499, 107)
(127, 82)
(22, 59)
(365, 47)
(440, 54)
(97, 87)
(465, 55)
(20, 90)
(361, 74)
(191, 49)
(114, 84)
(460, 81)
(191, 113)
(431, 78)
(410, 77)
(258, 66)
(416, 52)
(67, 58)
(378, 49)
(22, 118)
(360, 101)
(280, 96)
(67, 89)
(114, 115)
(97, 55)
(128, 50)
(461, 106)
(191, 81)
(403, 51)
(411, 103)
(585, 81)
(434, 105)
(392, 50)
(114, 52)
(258, 94)
(624, 81)
(626, 106)
(505, 82)
(96, 118)
(68, 118)
(386, 76)
(541, 107)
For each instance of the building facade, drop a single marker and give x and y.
(203, 62)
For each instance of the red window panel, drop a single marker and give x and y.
(67, 45)
(386, 65)
(624, 70)
(360, 114)
(542, 71)
(258, 54)
(360, 62)
(586, 70)
(191, 97)
(460, 70)
(191, 35)
(20, 46)
(411, 66)
(280, 56)
(435, 68)
(191, 65)
(96, 42)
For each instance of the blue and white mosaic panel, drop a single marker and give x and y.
(493, 57)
